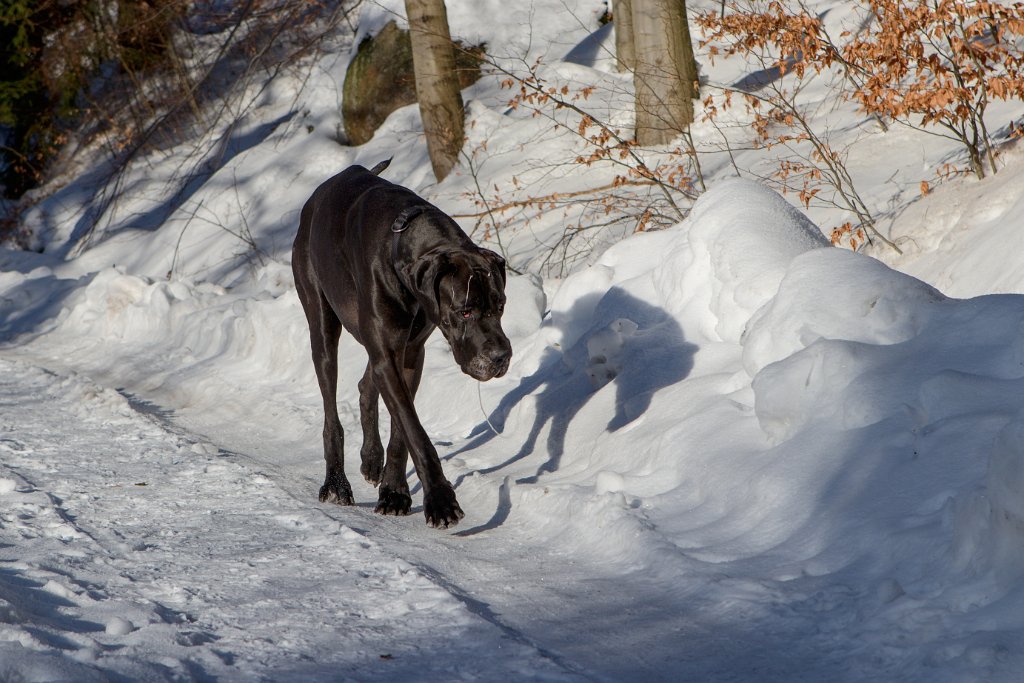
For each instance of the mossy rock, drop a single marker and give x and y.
(380, 80)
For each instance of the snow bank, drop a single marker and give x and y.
(748, 234)
(855, 374)
(712, 272)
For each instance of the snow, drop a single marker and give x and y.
(725, 451)
(138, 553)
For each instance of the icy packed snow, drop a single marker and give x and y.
(725, 451)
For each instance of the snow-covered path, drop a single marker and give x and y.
(129, 549)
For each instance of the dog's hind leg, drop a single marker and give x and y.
(324, 332)
(394, 497)
(372, 452)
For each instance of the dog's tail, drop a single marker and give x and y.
(379, 168)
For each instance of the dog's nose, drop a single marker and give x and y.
(499, 361)
(500, 357)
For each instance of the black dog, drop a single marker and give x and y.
(377, 259)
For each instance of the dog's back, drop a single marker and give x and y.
(336, 195)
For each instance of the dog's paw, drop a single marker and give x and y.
(393, 502)
(373, 466)
(336, 490)
(440, 507)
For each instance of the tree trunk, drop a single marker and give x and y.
(437, 86)
(689, 61)
(622, 18)
(662, 76)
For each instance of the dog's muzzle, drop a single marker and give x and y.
(489, 365)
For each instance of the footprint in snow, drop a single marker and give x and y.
(13, 446)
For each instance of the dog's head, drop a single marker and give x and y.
(463, 293)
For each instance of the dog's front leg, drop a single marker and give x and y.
(439, 503)
(394, 498)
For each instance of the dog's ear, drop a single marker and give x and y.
(497, 262)
(424, 278)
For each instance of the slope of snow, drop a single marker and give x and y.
(724, 451)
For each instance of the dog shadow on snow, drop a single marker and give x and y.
(620, 340)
